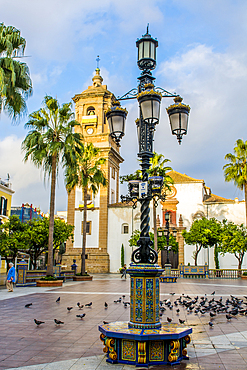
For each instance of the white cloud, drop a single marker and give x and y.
(27, 180)
(214, 85)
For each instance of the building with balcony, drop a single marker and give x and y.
(6, 193)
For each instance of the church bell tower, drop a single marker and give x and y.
(90, 108)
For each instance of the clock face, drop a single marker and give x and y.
(90, 131)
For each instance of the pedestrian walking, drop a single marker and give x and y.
(124, 268)
(10, 277)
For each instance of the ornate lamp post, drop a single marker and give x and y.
(166, 232)
(135, 342)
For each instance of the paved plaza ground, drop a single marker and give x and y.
(76, 345)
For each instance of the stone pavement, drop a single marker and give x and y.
(76, 345)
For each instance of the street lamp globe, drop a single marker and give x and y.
(146, 52)
(116, 116)
(167, 216)
(149, 101)
(178, 115)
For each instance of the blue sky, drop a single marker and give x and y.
(202, 55)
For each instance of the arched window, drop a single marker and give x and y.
(90, 111)
(125, 228)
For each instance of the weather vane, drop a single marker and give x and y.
(97, 60)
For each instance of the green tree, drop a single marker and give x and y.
(52, 141)
(135, 236)
(233, 240)
(15, 81)
(37, 236)
(203, 233)
(161, 242)
(122, 255)
(12, 238)
(236, 169)
(89, 176)
(158, 168)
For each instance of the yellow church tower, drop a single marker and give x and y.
(90, 108)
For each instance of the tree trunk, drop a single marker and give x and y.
(245, 198)
(240, 260)
(196, 255)
(49, 271)
(155, 228)
(83, 251)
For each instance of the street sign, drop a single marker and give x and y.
(143, 189)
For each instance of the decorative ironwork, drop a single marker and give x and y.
(165, 93)
(127, 199)
(132, 94)
(146, 77)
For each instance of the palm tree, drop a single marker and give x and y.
(236, 170)
(158, 168)
(50, 142)
(89, 176)
(15, 81)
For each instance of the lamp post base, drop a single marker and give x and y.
(145, 347)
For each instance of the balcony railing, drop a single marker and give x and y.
(217, 274)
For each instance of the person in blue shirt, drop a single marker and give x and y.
(10, 277)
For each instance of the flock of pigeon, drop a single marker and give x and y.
(206, 305)
(59, 322)
(199, 306)
(80, 306)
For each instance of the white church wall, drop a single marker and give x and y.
(96, 199)
(234, 212)
(116, 218)
(189, 196)
(92, 240)
(78, 197)
(77, 231)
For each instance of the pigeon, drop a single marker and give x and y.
(106, 305)
(58, 300)
(81, 315)
(28, 305)
(125, 305)
(213, 293)
(211, 324)
(117, 301)
(181, 321)
(105, 322)
(228, 317)
(81, 306)
(38, 323)
(58, 322)
(69, 308)
(89, 304)
(172, 293)
(178, 310)
(169, 319)
(78, 304)
(123, 296)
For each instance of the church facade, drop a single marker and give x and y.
(110, 223)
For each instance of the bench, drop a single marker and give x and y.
(196, 272)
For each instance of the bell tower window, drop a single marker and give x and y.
(90, 111)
